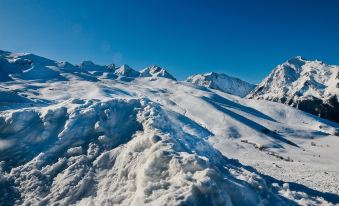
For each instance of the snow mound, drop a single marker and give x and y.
(222, 82)
(155, 71)
(311, 86)
(126, 152)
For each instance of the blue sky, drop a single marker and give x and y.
(245, 39)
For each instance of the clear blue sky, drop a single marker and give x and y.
(240, 38)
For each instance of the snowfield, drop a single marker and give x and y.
(106, 135)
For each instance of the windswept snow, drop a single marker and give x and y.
(91, 138)
(223, 83)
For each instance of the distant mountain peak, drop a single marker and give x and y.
(155, 67)
(156, 71)
(86, 62)
(125, 66)
(127, 71)
(300, 58)
(222, 82)
(91, 66)
(111, 66)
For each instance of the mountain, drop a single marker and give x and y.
(90, 66)
(222, 82)
(126, 71)
(155, 71)
(86, 139)
(311, 86)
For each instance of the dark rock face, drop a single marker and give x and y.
(328, 109)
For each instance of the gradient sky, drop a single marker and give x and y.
(246, 39)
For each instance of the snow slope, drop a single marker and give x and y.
(92, 140)
(222, 82)
(311, 86)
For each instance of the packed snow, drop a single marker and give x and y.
(96, 135)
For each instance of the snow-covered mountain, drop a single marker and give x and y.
(223, 83)
(74, 137)
(311, 86)
(126, 71)
(90, 66)
(155, 71)
(32, 67)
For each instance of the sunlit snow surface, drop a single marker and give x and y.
(82, 136)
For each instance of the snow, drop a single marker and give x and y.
(223, 83)
(88, 139)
